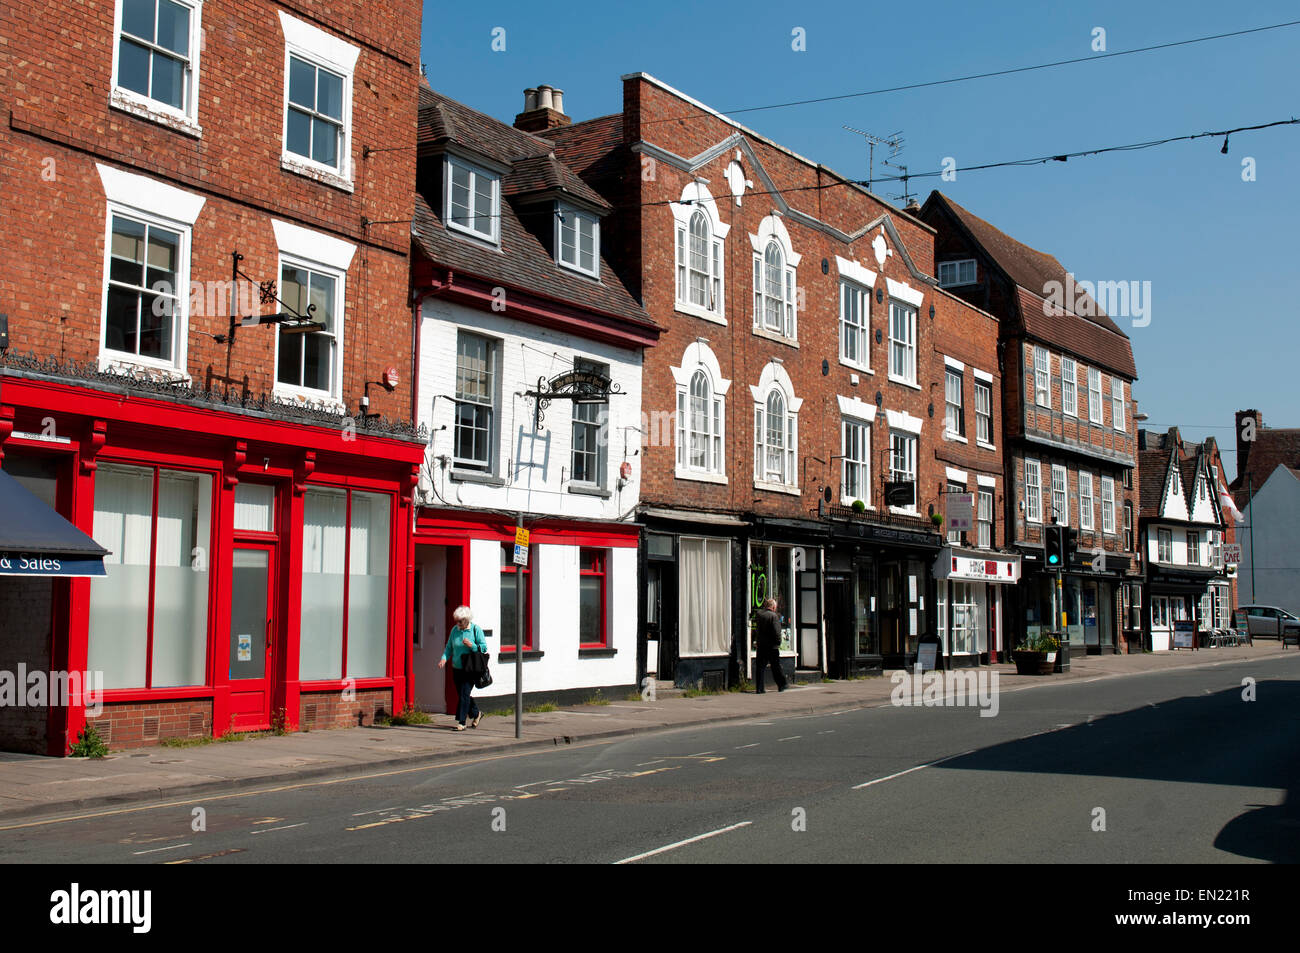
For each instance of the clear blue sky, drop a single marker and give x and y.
(1220, 254)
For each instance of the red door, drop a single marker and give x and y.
(252, 635)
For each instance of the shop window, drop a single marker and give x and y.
(149, 617)
(866, 639)
(254, 508)
(771, 575)
(704, 597)
(593, 619)
(512, 578)
(345, 584)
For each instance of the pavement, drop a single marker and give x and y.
(32, 786)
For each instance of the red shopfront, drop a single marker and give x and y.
(259, 571)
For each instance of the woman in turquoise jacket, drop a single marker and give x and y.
(465, 637)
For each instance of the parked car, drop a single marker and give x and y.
(1270, 622)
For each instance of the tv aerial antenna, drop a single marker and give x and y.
(894, 142)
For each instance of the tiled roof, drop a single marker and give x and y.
(1153, 467)
(1272, 447)
(1027, 267)
(524, 263)
(583, 145)
(1093, 343)
(546, 173)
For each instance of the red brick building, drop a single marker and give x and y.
(1070, 438)
(173, 163)
(799, 375)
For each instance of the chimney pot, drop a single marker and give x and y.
(530, 99)
(544, 97)
(557, 100)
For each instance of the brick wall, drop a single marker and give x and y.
(319, 711)
(57, 75)
(138, 724)
(742, 353)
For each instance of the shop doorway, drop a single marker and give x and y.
(839, 625)
(252, 635)
(893, 644)
(441, 586)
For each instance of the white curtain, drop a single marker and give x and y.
(180, 599)
(368, 586)
(119, 602)
(704, 596)
(323, 539)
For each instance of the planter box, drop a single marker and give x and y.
(1031, 663)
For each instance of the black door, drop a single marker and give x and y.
(839, 626)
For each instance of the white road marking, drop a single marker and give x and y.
(931, 764)
(531, 784)
(791, 738)
(829, 731)
(754, 745)
(682, 843)
(699, 754)
(137, 853)
(656, 761)
(594, 714)
(267, 830)
(382, 810)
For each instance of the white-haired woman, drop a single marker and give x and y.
(465, 637)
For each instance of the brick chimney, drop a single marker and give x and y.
(1243, 446)
(543, 109)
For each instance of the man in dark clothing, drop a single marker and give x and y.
(769, 646)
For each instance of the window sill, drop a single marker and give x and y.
(574, 269)
(530, 655)
(700, 477)
(777, 488)
(478, 238)
(904, 511)
(472, 476)
(583, 490)
(895, 379)
(695, 311)
(954, 437)
(985, 446)
(316, 400)
(145, 109)
(310, 170)
(778, 338)
(596, 651)
(850, 500)
(860, 368)
(142, 370)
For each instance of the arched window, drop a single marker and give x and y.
(699, 234)
(774, 441)
(700, 414)
(774, 279)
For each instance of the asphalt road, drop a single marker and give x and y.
(1176, 767)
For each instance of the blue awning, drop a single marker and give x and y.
(36, 541)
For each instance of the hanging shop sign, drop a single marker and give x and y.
(576, 386)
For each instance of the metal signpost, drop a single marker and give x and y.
(521, 560)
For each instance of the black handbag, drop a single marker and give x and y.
(485, 679)
(474, 663)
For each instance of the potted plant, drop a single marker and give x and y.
(859, 506)
(1036, 655)
(937, 520)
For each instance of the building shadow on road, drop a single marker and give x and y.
(1230, 741)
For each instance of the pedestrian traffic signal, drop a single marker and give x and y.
(1069, 544)
(1054, 558)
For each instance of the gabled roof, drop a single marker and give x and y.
(530, 159)
(1272, 447)
(522, 261)
(1092, 336)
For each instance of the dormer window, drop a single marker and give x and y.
(953, 274)
(472, 200)
(577, 240)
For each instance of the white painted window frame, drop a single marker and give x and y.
(182, 120)
(476, 172)
(321, 49)
(1033, 491)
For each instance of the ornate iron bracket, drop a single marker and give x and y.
(267, 292)
(575, 386)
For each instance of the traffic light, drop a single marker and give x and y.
(1054, 557)
(1070, 545)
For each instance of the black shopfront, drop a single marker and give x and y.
(879, 592)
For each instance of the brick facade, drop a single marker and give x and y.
(136, 725)
(319, 711)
